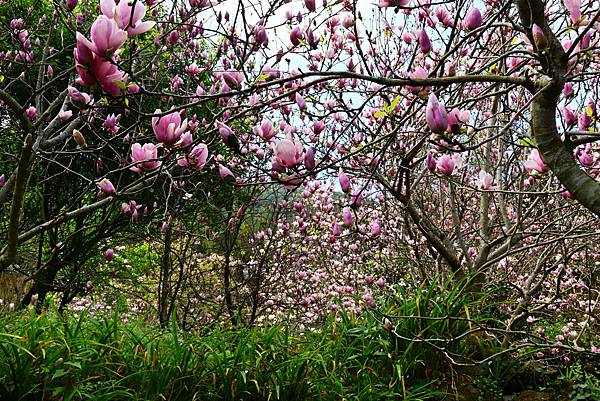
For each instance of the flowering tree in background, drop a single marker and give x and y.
(455, 139)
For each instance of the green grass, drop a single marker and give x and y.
(68, 357)
(49, 356)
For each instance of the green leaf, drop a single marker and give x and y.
(76, 365)
(589, 111)
(59, 373)
(395, 102)
(122, 84)
(527, 142)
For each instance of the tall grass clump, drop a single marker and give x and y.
(68, 357)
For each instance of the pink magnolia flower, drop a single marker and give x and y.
(144, 157)
(108, 76)
(435, 114)
(23, 36)
(111, 123)
(106, 37)
(569, 116)
(128, 15)
(82, 52)
(86, 78)
(79, 98)
(424, 41)
(31, 113)
(71, 4)
(375, 228)
(265, 130)
(567, 195)
(443, 15)
(318, 127)
(200, 3)
(260, 35)
(456, 118)
(584, 157)
(347, 216)
(430, 162)
(228, 136)
(309, 159)
(196, 159)
(106, 186)
(336, 230)
(344, 181)
(473, 19)
(574, 7)
(289, 151)
(193, 69)
(133, 88)
(109, 254)
(393, 3)
(300, 101)
(445, 165)
(173, 37)
(586, 40)
(233, 79)
(584, 122)
(369, 300)
(185, 139)
(2, 180)
(535, 163)
(168, 128)
(176, 82)
(270, 73)
(485, 180)
(311, 5)
(226, 174)
(16, 23)
(296, 36)
(568, 90)
(24, 56)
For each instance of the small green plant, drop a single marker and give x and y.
(584, 385)
(488, 389)
(98, 357)
(588, 391)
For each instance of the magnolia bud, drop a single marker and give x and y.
(78, 136)
(539, 39)
(31, 113)
(473, 19)
(344, 181)
(71, 4)
(435, 114)
(109, 254)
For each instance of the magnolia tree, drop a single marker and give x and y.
(469, 127)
